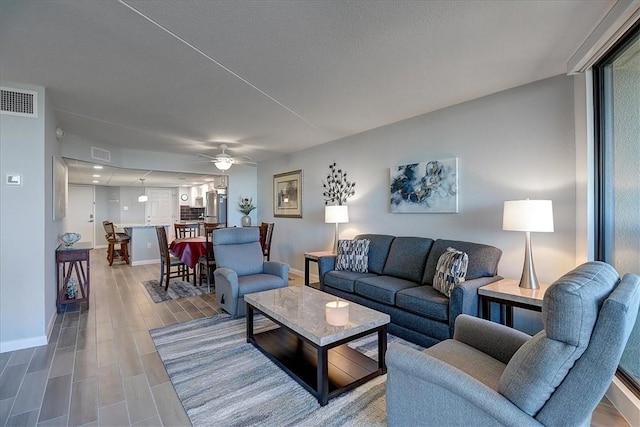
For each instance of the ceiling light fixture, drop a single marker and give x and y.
(144, 197)
(223, 163)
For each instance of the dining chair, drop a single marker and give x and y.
(186, 230)
(114, 239)
(168, 261)
(207, 263)
(266, 241)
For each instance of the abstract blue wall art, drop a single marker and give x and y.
(425, 187)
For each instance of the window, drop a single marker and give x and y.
(617, 125)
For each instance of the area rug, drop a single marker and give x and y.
(222, 380)
(177, 289)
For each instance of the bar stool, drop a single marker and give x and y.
(114, 239)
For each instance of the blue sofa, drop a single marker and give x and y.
(399, 283)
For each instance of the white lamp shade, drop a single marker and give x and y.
(528, 215)
(336, 214)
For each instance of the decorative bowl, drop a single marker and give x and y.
(70, 238)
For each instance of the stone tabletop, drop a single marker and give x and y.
(302, 309)
(509, 290)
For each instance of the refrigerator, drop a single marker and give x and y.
(216, 207)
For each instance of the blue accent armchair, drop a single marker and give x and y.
(489, 374)
(242, 269)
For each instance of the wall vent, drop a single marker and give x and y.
(100, 154)
(18, 102)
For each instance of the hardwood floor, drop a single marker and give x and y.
(101, 366)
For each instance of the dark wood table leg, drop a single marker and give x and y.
(323, 376)
(382, 348)
(249, 323)
(306, 271)
(509, 315)
(486, 308)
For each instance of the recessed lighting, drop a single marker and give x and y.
(97, 167)
(96, 176)
(95, 182)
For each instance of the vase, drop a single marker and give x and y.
(246, 221)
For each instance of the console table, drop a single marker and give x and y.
(70, 259)
(312, 256)
(510, 294)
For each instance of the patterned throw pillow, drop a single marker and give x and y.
(353, 255)
(450, 270)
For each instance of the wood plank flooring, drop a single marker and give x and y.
(101, 366)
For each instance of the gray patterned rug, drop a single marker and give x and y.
(177, 289)
(222, 380)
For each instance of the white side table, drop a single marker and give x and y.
(508, 293)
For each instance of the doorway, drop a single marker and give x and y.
(81, 212)
(161, 208)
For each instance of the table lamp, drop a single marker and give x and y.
(338, 215)
(528, 216)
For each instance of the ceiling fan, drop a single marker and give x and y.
(224, 161)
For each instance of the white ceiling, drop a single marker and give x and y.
(275, 77)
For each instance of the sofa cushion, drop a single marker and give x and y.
(424, 300)
(483, 259)
(569, 312)
(353, 255)
(407, 258)
(344, 280)
(379, 245)
(381, 288)
(450, 270)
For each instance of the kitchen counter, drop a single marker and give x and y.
(144, 243)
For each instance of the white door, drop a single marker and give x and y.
(160, 208)
(80, 212)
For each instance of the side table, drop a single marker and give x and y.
(70, 259)
(312, 256)
(508, 293)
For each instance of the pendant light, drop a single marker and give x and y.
(143, 198)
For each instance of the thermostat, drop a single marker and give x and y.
(14, 179)
(184, 197)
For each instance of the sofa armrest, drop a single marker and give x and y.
(277, 268)
(464, 298)
(425, 391)
(325, 264)
(494, 339)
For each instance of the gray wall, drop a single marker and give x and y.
(511, 145)
(29, 235)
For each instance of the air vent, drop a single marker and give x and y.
(100, 154)
(18, 102)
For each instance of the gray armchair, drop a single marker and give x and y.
(242, 269)
(489, 374)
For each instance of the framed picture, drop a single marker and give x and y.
(425, 187)
(287, 194)
(59, 189)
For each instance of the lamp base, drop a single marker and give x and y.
(529, 280)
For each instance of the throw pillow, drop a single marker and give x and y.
(450, 270)
(353, 255)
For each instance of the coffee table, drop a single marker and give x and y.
(310, 350)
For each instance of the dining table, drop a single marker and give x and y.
(190, 249)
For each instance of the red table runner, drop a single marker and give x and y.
(189, 250)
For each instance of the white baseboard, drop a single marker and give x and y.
(625, 401)
(22, 343)
(146, 262)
